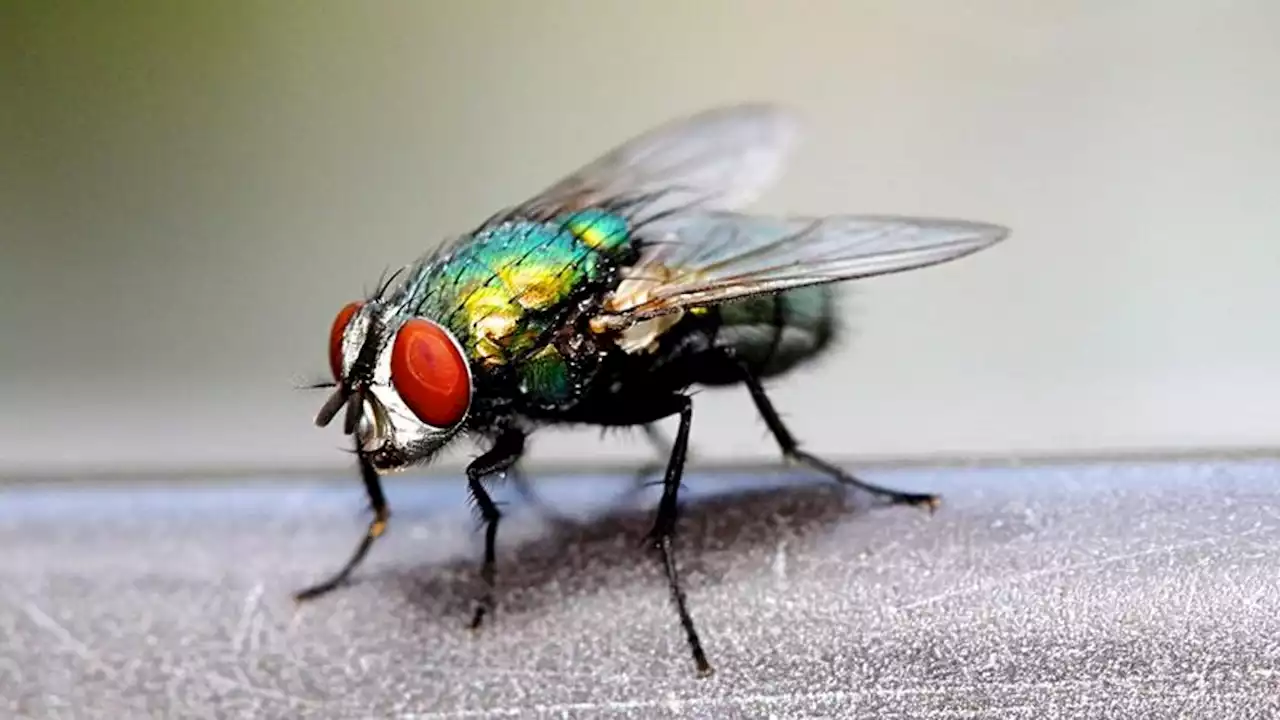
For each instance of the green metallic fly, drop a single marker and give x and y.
(602, 301)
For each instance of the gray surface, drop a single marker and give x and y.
(1140, 590)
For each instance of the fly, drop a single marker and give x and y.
(603, 300)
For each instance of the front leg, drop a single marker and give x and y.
(377, 526)
(506, 452)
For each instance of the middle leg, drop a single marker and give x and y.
(664, 528)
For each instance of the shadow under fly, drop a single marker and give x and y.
(581, 557)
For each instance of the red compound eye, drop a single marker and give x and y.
(430, 373)
(335, 337)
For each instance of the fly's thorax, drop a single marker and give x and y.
(404, 381)
(512, 295)
(511, 283)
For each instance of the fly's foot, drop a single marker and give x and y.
(484, 608)
(921, 500)
(375, 531)
(925, 501)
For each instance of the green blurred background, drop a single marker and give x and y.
(190, 190)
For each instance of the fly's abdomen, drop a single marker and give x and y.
(774, 333)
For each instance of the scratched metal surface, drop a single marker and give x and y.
(1123, 590)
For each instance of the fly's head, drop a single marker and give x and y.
(404, 385)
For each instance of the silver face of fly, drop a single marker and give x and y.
(402, 382)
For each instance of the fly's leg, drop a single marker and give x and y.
(661, 448)
(791, 449)
(521, 484)
(504, 454)
(377, 526)
(664, 527)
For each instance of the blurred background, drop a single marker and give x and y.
(190, 190)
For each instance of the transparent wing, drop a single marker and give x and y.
(712, 258)
(718, 159)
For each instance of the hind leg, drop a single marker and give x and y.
(791, 449)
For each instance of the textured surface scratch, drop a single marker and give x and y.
(248, 618)
(1049, 572)
(1103, 591)
(46, 622)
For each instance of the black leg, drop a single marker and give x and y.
(664, 527)
(557, 519)
(377, 526)
(504, 454)
(516, 476)
(791, 449)
(661, 447)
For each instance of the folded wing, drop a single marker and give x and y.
(715, 257)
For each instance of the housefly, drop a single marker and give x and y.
(602, 301)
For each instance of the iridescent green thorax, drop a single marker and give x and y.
(502, 292)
